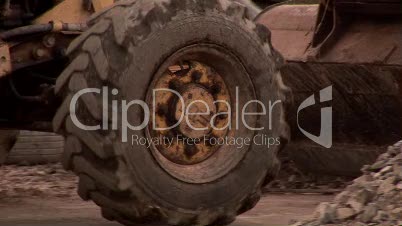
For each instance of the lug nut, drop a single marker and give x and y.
(39, 53)
(175, 84)
(196, 76)
(49, 41)
(190, 150)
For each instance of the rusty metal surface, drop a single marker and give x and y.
(191, 83)
(5, 59)
(232, 71)
(69, 11)
(101, 4)
(38, 50)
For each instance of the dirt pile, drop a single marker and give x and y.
(372, 199)
(42, 180)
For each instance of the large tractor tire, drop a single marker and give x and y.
(201, 49)
(252, 8)
(32, 148)
(7, 141)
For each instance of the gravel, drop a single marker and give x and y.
(33, 181)
(375, 198)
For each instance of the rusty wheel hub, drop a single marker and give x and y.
(199, 108)
(190, 100)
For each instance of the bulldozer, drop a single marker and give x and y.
(116, 78)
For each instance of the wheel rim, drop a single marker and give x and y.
(199, 73)
(199, 87)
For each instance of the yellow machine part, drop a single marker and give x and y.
(72, 11)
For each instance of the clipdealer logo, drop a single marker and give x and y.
(237, 117)
(237, 142)
(324, 139)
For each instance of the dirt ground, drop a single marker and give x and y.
(45, 196)
(273, 210)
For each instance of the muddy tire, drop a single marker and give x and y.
(7, 141)
(252, 8)
(33, 148)
(126, 48)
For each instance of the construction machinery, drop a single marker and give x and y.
(96, 70)
(355, 47)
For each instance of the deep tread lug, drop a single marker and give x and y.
(82, 166)
(85, 186)
(98, 144)
(127, 208)
(72, 146)
(80, 63)
(97, 29)
(94, 46)
(61, 114)
(78, 83)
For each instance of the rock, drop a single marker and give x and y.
(387, 185)
(363, 179)
(377, 175)
(374, 185)
(369, 213)
(345, 213)
(366, 168)
(342, 197)
(395, 149)
(20, 181)
(390, 207)
(378, 165)
(325, 213)
(360, 199)
(384, 157)
(292, 222)
(41, 173)
(297, 224)
(50, 171)
(398, 172)
(356, 205)
(386, 169)
(372, 199)
(381, 216)
(398, 158)
(397, 213)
